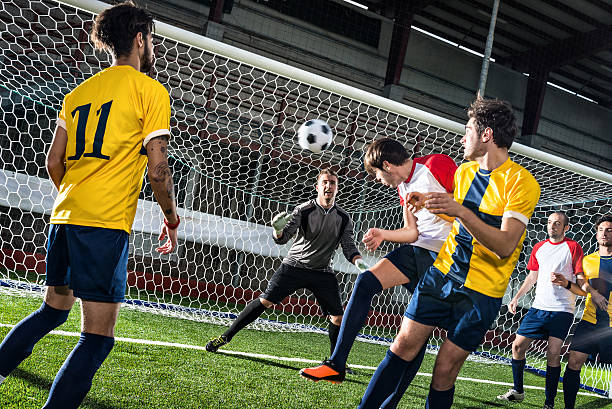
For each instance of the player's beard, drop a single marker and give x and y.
(555, 236)
(146, 61)
(474, 152)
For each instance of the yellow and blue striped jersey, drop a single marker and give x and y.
(598, 270)
(508, 191)
(109, 119)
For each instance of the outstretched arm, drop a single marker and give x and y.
(407, 234)
(286, 225)
(162, 184)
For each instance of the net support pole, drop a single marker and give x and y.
(484, 71)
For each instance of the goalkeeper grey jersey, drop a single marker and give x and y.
(319, 232)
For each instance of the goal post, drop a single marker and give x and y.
(236, 164)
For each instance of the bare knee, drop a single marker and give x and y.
(266, 303)
(59, 297)
(519, 349)
(99, 317)
(335, 319)
(405, 346)
(553, 360)
(576, 360)
(449, 361)
(444, 375)
(553, 352)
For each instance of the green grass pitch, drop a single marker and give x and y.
(150, 376)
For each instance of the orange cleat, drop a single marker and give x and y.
(327, 371)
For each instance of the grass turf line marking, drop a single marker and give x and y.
(281, 358)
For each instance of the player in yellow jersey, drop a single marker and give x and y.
(109, 127)
(593, 335)
(462, 292)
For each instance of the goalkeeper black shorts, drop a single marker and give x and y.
(323, 284)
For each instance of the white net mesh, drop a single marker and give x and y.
(236, 164)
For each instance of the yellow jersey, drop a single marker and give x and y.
(508, 191)
(109, 119)
(598, 270)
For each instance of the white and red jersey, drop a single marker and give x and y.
(431, 173)
(565, 258)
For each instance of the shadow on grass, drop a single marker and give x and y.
(599, 403)
(43, 383)
(281, 365)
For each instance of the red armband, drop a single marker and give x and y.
(175, 225)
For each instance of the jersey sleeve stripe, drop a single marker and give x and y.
(154, 134)
(61, 123)
(518, 216)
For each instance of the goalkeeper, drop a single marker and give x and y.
(320, 226)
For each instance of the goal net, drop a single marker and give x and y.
(236, 164)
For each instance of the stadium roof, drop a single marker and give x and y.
(570, 40)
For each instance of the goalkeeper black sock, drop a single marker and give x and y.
(250, 313)
(333, 331)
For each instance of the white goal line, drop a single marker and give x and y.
(281, 358)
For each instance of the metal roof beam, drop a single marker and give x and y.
(562, 52)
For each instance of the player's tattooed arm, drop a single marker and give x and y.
(160, 176)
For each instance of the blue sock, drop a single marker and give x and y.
(73, 380)
(18, 344)
(366, 286)
(440, 399)
(518, 367)
(552, 380)
(393, 400)
(384, 381)
(571, 384)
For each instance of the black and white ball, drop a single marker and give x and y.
(315, 135)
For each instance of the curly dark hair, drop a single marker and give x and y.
(602, 219)
(497, 115)
(115, 28)
(385, 149)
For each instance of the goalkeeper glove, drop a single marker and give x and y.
(279, 221)
(361, 265)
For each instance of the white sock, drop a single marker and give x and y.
(2, 378)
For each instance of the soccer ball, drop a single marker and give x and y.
(315, 135)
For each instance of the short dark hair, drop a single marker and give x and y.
(115, 28)
(566, 220)
(602, 219)
(327, 171)
(497, 115)
(385, 149)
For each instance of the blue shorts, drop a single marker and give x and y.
(442, 302)
(412, 261)
(540, 324)
(592, 339)
(91, 261)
